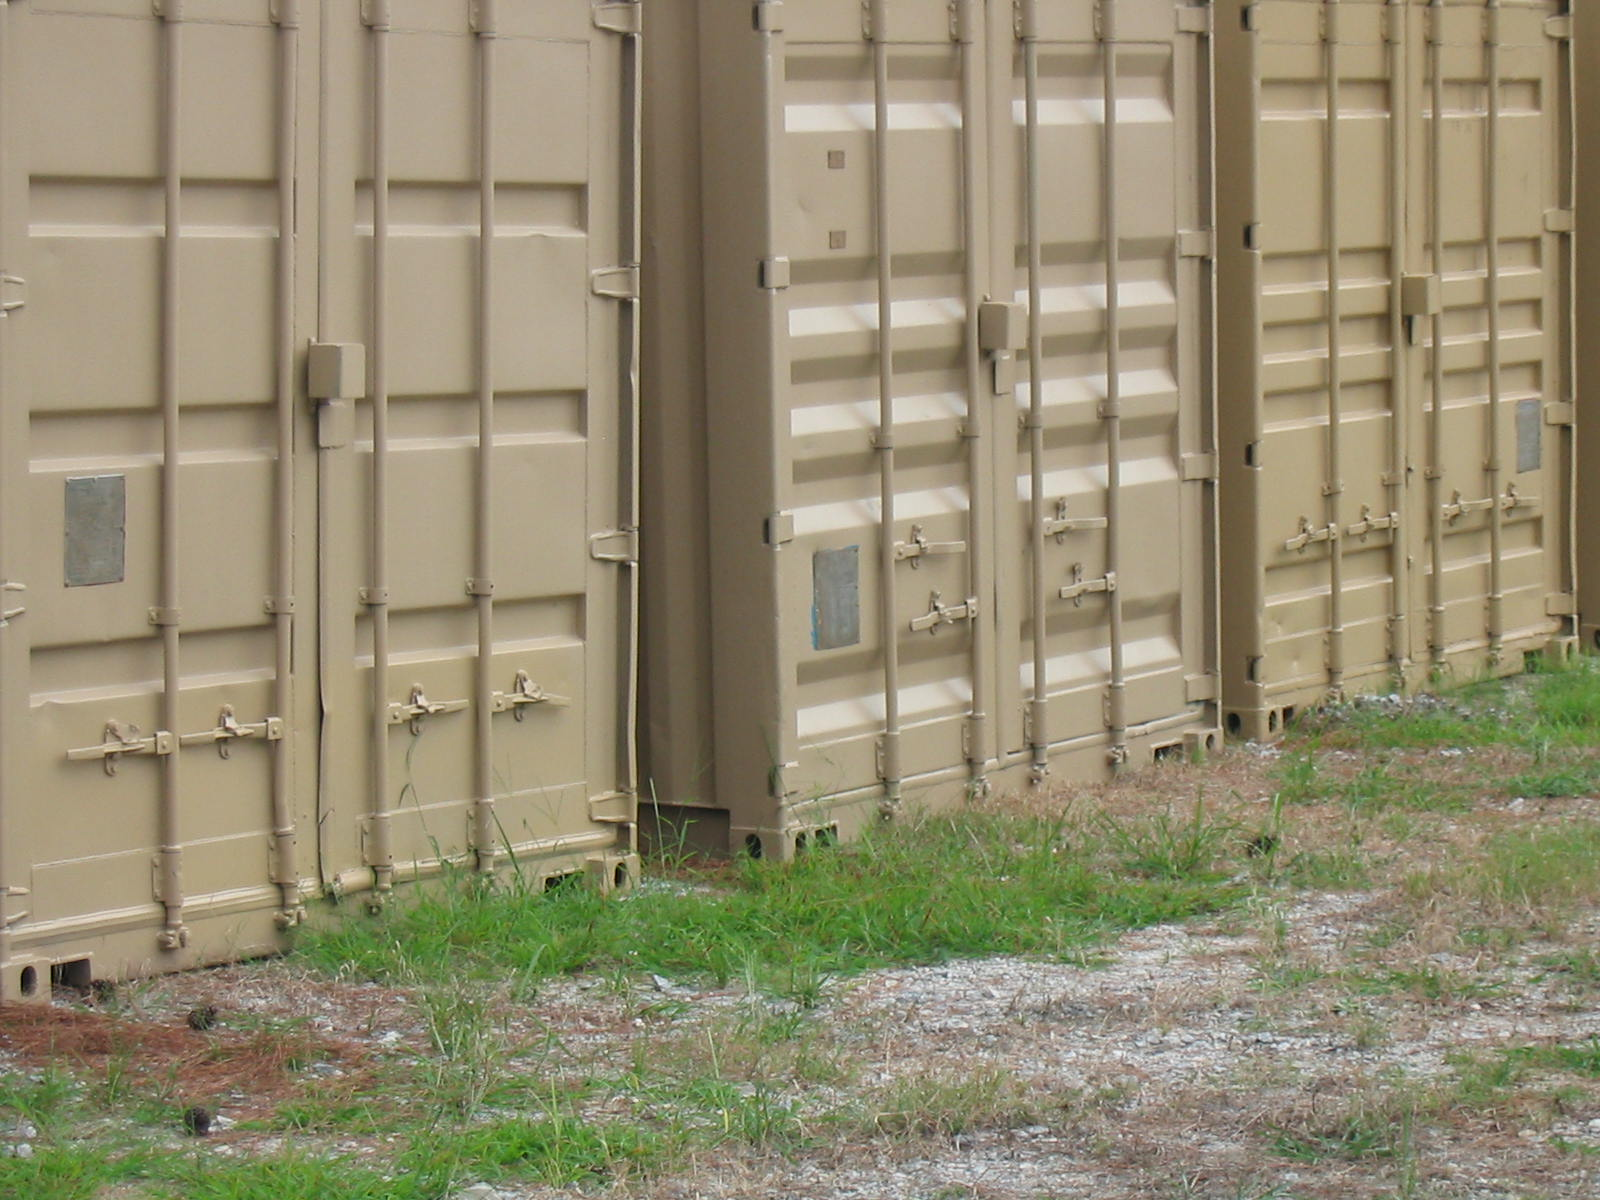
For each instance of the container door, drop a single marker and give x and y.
(1497, 515)
(876, 411)
(149, 389)
(478, 511)
(1105, 514)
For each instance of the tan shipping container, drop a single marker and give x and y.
(898, 535)
(304, 622)
(1397, 451)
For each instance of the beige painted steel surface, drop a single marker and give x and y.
(1588, 519)
(1397, 452)
(302, 622)
(901, 537)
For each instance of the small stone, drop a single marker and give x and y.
(27, 1131)
(1036, 1130)
(478, 1191)
(661, 984)
(203, 1018)
(197, 1120)
(23, 1150)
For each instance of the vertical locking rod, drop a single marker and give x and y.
(1400, 383)
(887, 607)
(1334, 487)
(480, 586)
(380, 847)
(1038, 723)
(174, 933)
(1116, 706)
(1435, 471)
(1493, 467)
(286, 873)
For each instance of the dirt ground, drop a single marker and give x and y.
(1317, 1042)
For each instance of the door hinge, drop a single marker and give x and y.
(778, 529)
(620, 18)
(1560, 604)
(615, 545)
(13, 293)
(769, 16)
(615, 283)
(7, 615)
(484, 17)
(1560, 220)
(1199, 468)
(1199, 687)
(1081, 587)
(375, 13)
(773, 274)
(284, 13)
(1197, 243)
(1561, 413)
(614, 808)
(940, 613)
(1559, 27)
(1194, 18)
(1249, 19)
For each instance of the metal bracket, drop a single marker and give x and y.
(919, 545)
(229, 730)
(623, 18)
(769, 16)
(1559, 27)
(1194, 18)
(1060, 525)
(940, 613)
(523, 693)
(284, 13)
(615, 283)
(1511, 499)
(1371, 524)
(375, 13)
(1197, 243)
(419, 707)
(7, 615)
(1081, 587)
(15, 284)
(599, 546)
(773, 274)
(120, 739)
(1310, 533)
(1560, 220)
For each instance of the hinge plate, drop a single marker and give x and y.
(1560, 220)
(1197, 243)
(615, 283)
(769, 16)
(1559, 27)
(1194, 18)
(613, 808)
(1199, 468)
(13, 293)
(1560, 604)
(773, 274)
(1561, 412)
(779, 529)
(615, 545)
(623, 18)
(1199, 687)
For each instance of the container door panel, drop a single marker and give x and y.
(154, 373)
(491, 463)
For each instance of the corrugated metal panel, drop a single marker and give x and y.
(1372, 534)
(203, 724)
(872, 485)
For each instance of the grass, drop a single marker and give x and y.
(922, 891)
(1386, 798)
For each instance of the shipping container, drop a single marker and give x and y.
(317, 445)
(1397, 449)
(912, 575)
